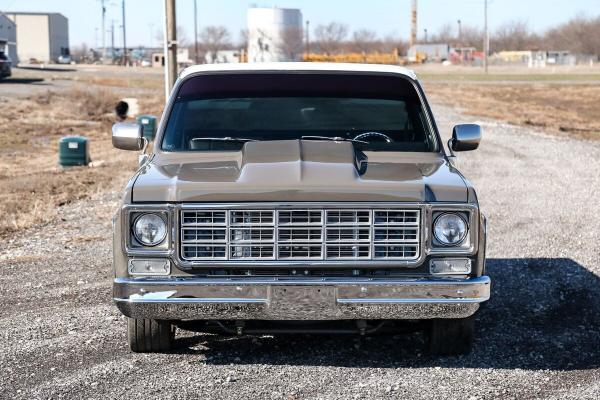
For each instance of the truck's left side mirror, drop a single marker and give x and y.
(465, 137)
(127, 136)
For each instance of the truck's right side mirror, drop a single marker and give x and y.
(465, 137)
(128, 136)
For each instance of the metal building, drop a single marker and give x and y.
(8, 37)
(274, 34)
(436, 52)
(41, 37)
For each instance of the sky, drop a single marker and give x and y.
(145, 17)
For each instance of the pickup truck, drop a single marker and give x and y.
(299, 197)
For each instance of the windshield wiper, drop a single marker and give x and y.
(225, 139)
(333, 139)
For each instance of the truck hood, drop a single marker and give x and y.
(298, 170)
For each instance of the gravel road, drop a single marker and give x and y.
(539, 337)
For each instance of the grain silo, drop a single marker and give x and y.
(274, 34)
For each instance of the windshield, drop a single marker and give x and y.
(380, 115)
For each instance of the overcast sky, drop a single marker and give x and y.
(383, 16)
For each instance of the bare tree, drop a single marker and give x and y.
(215, 38)
(393, 43)
(471, 36)
(364, 41)
(243, 39)
(291, 43)
(579, 35)
(330, 37)
(514, 35)
(182, 39)
(445, 34)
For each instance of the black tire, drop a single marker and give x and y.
(449, 337)
(150, 335)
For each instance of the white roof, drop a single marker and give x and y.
(299, 66)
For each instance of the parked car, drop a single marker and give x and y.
(299, 197)
(64, 59)
(5, 65)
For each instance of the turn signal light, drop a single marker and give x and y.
(454, 266)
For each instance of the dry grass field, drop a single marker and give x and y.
(32, 120)
(565, 102)
(37, 108)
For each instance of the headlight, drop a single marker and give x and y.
(149, 229)
(450, 229)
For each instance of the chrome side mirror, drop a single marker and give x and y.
(465, 137)
(128, 136)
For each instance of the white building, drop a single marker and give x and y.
(41, 37)
(8, 37)
(274, 34)
(436, 52)
(183, 59)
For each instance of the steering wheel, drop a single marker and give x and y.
(378, 136)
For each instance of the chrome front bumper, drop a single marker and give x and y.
(299, 299)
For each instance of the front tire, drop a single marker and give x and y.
(150, 335)
(448, 337)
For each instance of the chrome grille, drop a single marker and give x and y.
(313, 234)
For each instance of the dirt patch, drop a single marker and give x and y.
(558, 108)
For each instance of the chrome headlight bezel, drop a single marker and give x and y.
(131, 245)
(470, 214)
(134, 230)
(463, 237)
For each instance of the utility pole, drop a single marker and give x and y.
(196, 32)
(425, 33)
(124, 34)
(413, 23)
(486, 38)
(112, 39)
(170, 47)
(103, 30)
(307, 37)
(459, 33)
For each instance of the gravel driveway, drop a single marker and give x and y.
(539, 337)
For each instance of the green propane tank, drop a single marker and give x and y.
(73, 151)
(148, 123)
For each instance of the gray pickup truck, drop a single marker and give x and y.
(299, 197)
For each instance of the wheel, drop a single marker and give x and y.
(150, 335)
(451, 336)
